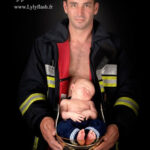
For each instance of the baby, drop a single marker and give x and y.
(80, 123)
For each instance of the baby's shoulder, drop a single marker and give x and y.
(90, 102)
(64, 101)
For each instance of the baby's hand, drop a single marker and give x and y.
(77, 117)
(86, 113)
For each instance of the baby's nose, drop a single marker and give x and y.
(86, 91)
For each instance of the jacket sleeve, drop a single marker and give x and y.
(33, 90)
(125, 109)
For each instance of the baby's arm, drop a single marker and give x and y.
(93, 110)
(64, 109)
(68, 114)
(91, 113)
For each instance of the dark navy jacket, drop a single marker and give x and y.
(112, 74)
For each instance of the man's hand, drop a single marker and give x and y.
(110, 138)
(48, 131)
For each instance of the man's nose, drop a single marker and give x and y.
(80, 11)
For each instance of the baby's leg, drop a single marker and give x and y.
(96, 129)
(91, 137)
(81, 137)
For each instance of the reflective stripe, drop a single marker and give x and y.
(50, 70)
(101, 84)
(117, 145)
(109, 76)
(35, 144)
(109, 69)
(99, 74)
(31, 99)
(51, 82)
(73, 134)
(129, 102)
(109, 81)
(94, 130)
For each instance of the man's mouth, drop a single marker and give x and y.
(80, 19)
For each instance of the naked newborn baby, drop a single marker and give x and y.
(80, 123)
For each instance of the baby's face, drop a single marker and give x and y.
(85, 90)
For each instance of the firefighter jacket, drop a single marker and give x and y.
(46, 75)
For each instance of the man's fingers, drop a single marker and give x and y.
(54, 132)
(101, 146)
(54, 144)
(104, 138)
(107, 141)
(48, 131)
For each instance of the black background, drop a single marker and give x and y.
(121, 17)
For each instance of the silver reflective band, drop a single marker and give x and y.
(109, 69)
(31, 99)
(99, 74)
(35, 144)
(129, 102)
(109, 81)
(94, 130)
(72, 135)
(50, 70)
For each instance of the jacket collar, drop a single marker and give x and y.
(60, 32)
(101, 40)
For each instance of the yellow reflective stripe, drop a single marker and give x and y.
(129, 102)
(31, 99)
(101, 84)
(35, 144)
(51, 82)
(109, 77)
(117, 145)
(109, 81)
(110, 84)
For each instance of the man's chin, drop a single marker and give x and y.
(80, 25)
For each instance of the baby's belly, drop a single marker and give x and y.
(78, 109)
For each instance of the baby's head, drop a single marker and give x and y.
(82, 89)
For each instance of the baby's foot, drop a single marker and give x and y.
(91, 137)
(80, 137)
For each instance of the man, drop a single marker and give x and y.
(78, 48)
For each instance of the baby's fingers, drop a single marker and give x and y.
(78, 120)
(81, 118)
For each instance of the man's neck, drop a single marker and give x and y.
(82, 36)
